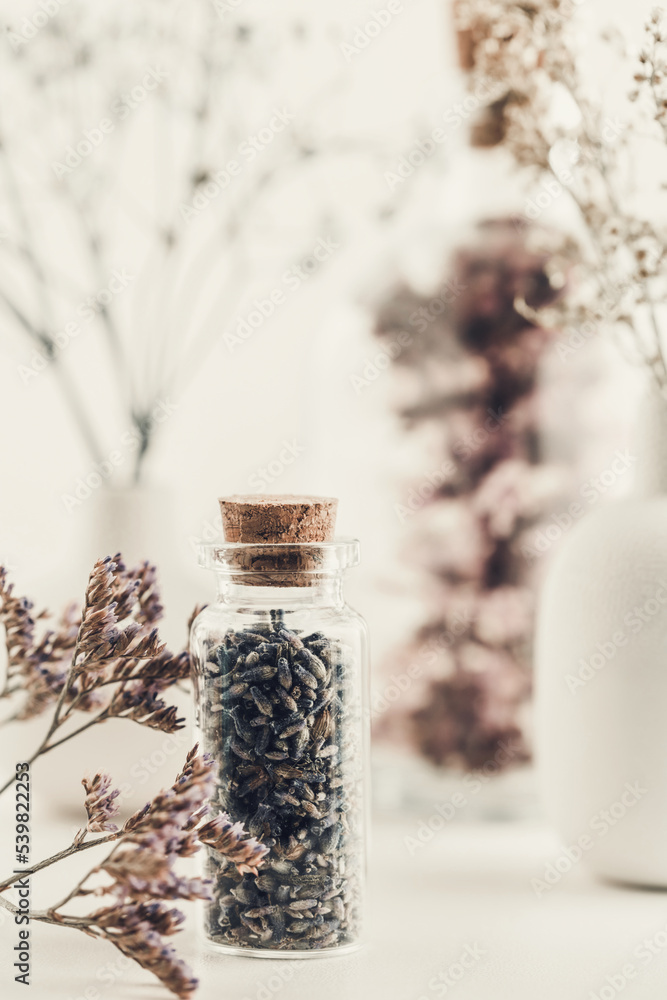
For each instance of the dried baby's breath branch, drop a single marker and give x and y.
(106, 663)
(73, 60)
(529, 52)
(137, 917)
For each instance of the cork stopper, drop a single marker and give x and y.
(278, 519)
(278, 526)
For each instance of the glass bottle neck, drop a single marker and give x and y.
(324, 592)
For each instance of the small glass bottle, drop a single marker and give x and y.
(280, 675)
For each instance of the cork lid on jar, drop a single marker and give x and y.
(280, 541)
(278, 519)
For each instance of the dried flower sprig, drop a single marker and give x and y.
(108, 662)
(554, 129)
(100, 804)
(137, 918)
(232, 841)
(19, 624)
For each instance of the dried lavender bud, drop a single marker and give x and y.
(292, 727)
(286, 699)
(259, 720)
(262, 741)
(325, 698)
(304, 675)
(284, 673)
(314, 664)
(329, 838)
(291, 638)
(263, 672)
(262, 702)
(299, 744)
(242, 724)
(236, 690)
(100, 803)
(281, 746)
(322, 725)
(225, 659)
(249, 640)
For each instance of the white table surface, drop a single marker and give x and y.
(470, 886)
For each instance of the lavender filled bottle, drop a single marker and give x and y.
(280, 675)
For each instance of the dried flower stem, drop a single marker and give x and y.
(44, 916)
(46, 746)
(56, 722)
(74, 848)
(113, 644)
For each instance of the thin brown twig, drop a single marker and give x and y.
(68, 852)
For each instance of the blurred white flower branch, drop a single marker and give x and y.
(554, 124)
(138, 141)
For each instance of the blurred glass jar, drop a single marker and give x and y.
(280, 671)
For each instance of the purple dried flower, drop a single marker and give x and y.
(113, 595)
(34, 668)
(137, 929)
(110, 659)
(100, 803)
(141, 866)
(19, 624)
(232, 841)
(149, 607)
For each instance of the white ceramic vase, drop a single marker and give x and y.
(601, 691)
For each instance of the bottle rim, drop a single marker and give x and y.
(277, 558)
